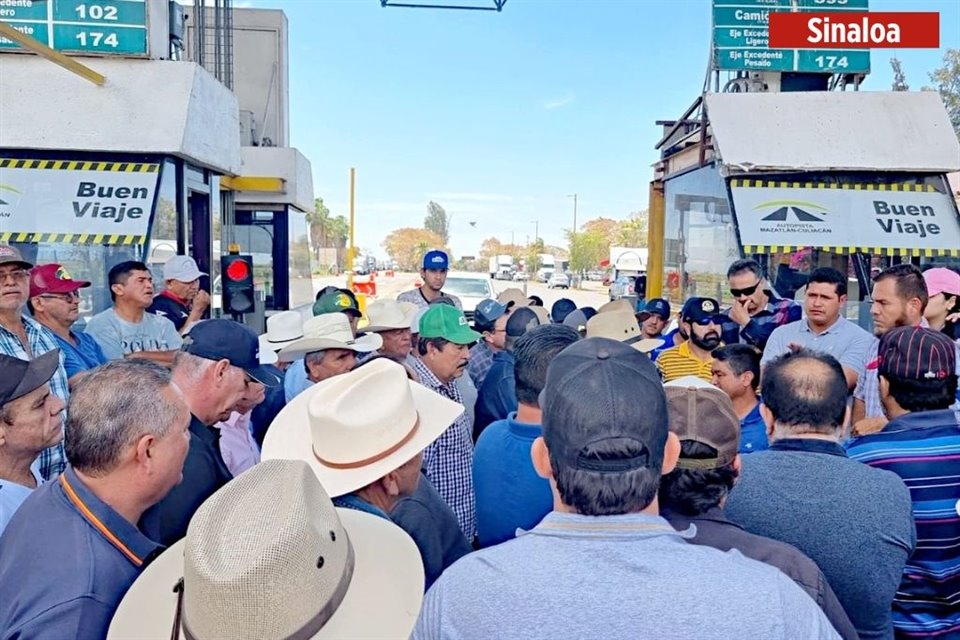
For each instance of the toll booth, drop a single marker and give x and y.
(852, 180)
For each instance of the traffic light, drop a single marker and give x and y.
(237, 278)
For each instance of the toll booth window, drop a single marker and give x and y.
(700, 240)
(301, 262)
(163, 231)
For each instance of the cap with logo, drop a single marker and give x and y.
(487, 312)
(11, 255)
(20, 377)
(698, 309)
(221, 339)
(592, 397)
(915, 353)
(336, 302)
(655, 307)
(561, 309)
(449, 323)
(181, 269)
(435, 260)
(700, 412)
(53, 278)
(521, 321)
(942, 280)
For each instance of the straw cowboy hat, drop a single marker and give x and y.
(329, 331)
(357, 427)
(514, 296)
(622, 326)
(387, 315)
(620, 304)
(269, 556)
(282, 329)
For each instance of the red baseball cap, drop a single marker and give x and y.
(53, 278)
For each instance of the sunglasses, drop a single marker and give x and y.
(747, 291)
(705, 321)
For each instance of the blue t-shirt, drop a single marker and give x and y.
(498, 395)
(753, 432)
(85, 355)
(295, 380)
(510, 494)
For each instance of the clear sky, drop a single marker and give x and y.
(500, 116)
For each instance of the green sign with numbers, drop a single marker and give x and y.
(741, 38)
(112, 27)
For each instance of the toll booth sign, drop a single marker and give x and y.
(108, 27)
(741, 38)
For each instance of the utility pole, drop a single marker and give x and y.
(536, 230)
(574, 196)
(351, 249)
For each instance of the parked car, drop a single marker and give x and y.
(471, 289)
(558, 281)
(622, 286)
(521, 276)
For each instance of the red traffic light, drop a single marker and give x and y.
(238, 271)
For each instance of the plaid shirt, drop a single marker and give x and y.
(53, 460)
(778, 312)
(448, 461)
(481, 359)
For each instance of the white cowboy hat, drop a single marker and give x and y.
(387, 315)
(329, 331)
(357, 427)
(621, 325)
(282, 329)
(415, 321)
(286, 564)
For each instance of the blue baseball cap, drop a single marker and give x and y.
(435, 260)
(222, 339)
(488, 311)
(655, 307)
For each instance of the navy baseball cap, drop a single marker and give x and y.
(487, 312)
(561, 309)
(655, 307)
(435, 260)
(697, 309)
(222, 339)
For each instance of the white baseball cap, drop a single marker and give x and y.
(182, 269)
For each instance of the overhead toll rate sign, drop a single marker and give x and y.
(112, 27)
(741, 38)
(897, 219)
(76, 201)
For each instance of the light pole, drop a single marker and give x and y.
(574, 196)
(536, 230)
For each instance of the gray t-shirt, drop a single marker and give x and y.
(843, 340)
(625, 576)
(117, 337)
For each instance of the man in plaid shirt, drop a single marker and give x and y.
(489, 319)
(443, 350)
(23, 337)
(756, 310)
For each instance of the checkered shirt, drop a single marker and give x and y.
(53, 460)
(778, 312)
(448, 461)
(481, 359)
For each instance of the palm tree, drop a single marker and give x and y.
(319, 220)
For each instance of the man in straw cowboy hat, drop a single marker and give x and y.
(363, 434)
(74, 548)
(391, 321)
(620, 325)
(603, 562)
(287, 565)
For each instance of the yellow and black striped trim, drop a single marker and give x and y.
(877, 251)
(80, 165)
(786, 184)
(71, 238)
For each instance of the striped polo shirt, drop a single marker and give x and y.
(679, 361)
(924, 450)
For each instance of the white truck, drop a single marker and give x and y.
(501, 267)
(547, 266)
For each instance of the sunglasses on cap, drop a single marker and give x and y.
(746, 291)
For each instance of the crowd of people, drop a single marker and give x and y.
(771, 470)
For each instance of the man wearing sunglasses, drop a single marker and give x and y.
(756, 310)
(700, 319)
(55, 303)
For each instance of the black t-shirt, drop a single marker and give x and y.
(175, 312)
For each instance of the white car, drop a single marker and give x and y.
(558, 281)
(521, 276)
(471, 289)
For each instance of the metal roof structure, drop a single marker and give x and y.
(481, 5)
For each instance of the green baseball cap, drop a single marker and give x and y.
(449, 323)
(334, 303)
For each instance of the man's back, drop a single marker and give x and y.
(623, 576)
(853, 521)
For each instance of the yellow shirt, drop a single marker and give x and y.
(678, 361)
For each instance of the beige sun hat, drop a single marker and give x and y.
(269, 556)
(620, 304)
(542, 314)
(514, 295)
(622, 326)
(282, 329)
(387, 315)
(357, 427)
(329, 331)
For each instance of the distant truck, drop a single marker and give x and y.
(629, 272)
(501, 267)
(547, 266)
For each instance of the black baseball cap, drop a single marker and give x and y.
(655, 307)
(561, 309)
(700, 309)
(20, 377)
(604, 391)
(915, 353)
(521, 321)
(222, 339)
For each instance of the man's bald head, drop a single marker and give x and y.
(806, 392)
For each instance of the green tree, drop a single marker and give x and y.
(406, 246)
(633, 230)
(319, 221)
(437, 221)
(587, 249)
(947, 79)
(533, 256)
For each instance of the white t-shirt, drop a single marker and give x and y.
(117, 337)
(12, 495)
